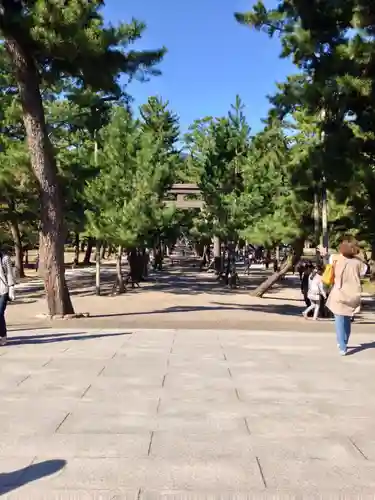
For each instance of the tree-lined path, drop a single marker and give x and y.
(180, 383)
(179, 297)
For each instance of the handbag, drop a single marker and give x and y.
(328, 276)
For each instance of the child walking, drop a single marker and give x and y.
(316, 290)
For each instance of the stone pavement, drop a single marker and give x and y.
(149, 414)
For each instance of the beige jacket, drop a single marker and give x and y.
(345, 296)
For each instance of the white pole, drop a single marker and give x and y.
(316, 216)
(96, 152)
(97, 268)
(325, 236)
(98, 245)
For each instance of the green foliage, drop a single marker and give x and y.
(252, 186)
(73, 122)
(18, 191)
(64, 56)
(70, 39)
(136, 164)
(218, 150)
(160, 129)
(272, 208)
(115, 171)
(333, 46)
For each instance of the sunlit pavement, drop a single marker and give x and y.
(147, 414)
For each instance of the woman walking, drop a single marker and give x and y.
(345, 296)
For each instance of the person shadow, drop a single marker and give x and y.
(360, 348)
(10, 481)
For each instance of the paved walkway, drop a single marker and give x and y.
(188, 414)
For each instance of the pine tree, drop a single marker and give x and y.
(136, 166)
(74, 122)
(51, 40)
(333, 46)
(270, 210)
(160, 134)
(18, 193)
(218, 150)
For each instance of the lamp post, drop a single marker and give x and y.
(325, 235)
(325, 238)
(98, 242)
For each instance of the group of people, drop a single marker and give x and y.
(336, 288)
(340, 294)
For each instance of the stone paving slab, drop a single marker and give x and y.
(185, 414)
(258, 495)
(37, 493)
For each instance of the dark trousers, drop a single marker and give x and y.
(324, 312)
(3, 305)
(306, 299)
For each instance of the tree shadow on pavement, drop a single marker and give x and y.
(10, 481)
(28, 300)
(168, 310)
(360, 348)
(279, 298)
(20, 329)
(194, 282)
(59, 337)
(174, 280)
(284, 309)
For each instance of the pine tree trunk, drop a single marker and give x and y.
(97, 268)
(119, 279)
(277, 255)
(110, 251)
(104, 249)
(373, 250)
(371, 194)
(90, 246)
(145, 261)
(15, 230)
(52, 233)
(274, 278)
(76, 248)
(218, 261)
(372, 262)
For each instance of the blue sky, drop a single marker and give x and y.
(210, 58)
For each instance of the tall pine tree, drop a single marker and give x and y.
(51, 40)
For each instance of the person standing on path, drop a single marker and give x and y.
(345, 296)
(316, 290)
(6, 292)
(308, 269)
